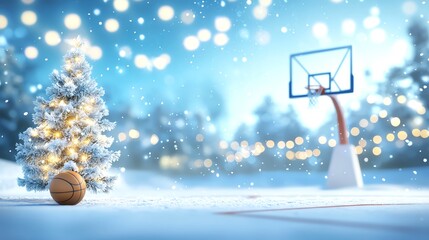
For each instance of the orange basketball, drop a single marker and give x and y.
(68, 188)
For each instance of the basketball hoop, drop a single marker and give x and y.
(314, 92)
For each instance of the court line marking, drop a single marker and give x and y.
(329, 222)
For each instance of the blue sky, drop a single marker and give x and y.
(158, 56)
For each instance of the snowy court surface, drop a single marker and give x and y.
(147, 211)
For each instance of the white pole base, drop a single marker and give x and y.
(344, 168)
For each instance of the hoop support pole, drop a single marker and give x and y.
(342, 129)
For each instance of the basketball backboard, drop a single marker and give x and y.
(329, 68)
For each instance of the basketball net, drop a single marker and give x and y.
(314, 93)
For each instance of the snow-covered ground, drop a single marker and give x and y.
(393, 205)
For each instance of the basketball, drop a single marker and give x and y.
(68, 188)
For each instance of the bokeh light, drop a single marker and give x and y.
(260, 12)
(95, 52)
(121, 5)
(166, 13)
(3, 22)
(28, 18)
(222, 24)
(162, 61)
(348, 27)
(142, 61)
(52, 38)
(376, 151)
(31, 52)
(191, 43)
(204, 35)
(221, 39)
(72, 21)
(395, 121)
(320, 30)
(111, 25)
(187, 17)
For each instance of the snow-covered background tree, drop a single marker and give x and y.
(15, 103)
(69, 129)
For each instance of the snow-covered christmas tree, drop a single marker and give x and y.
(69, 130)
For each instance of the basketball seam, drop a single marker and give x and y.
(80, 187)
(66, 181)
(69, 191)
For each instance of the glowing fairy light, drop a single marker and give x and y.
(31, 52)
(373, 118)
(244, 144)
(402, 135)
(57, 134)
(415, 132)
(354, 131)
(121, 5)
(320, 30)
(154, 139)
(162, 61)
(34, 132)
(332, 143)
(387, 101)
(371, 22)
(221, 39)
(376, 151)
(348, 27)
(316, 152)
(28, 18)
(166, 13)
(187, 16)
(122, 137)
(235, 145)
(390, 137)
(395, 121)
(359, 150)
(208, 163)
(222, 24)
(382, 114)
(191, 43)
(52, 158)
(363, 123)
(424, 133)
(322, 140)
(260, 12)
(95, 53)
(84, 157)
(270, 144)
(299, 140)
(377, 139)
(362, 143)
(290, 155)
(134, 134)
(52, 38)
(265, 3)
(223, 144)
(142, 61)
(401, 99)
(3, 22)
(290, 144)
(204, 35)
(281, 144)
(199, 137)
(111, 25)
(72, 21)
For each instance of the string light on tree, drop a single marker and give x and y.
(68, 136)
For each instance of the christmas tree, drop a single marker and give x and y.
(69, 130)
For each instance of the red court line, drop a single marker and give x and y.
(321, 207)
